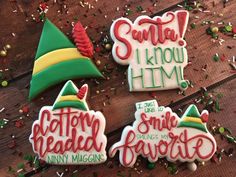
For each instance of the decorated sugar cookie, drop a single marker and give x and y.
(68, 132)
(154, 49)
(58, 60)
(158, 132)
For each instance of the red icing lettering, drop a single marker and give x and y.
(121, 39)
(75, 140)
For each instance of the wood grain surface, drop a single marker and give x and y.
(113, 99)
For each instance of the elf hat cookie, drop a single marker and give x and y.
(71, 96)
(58, 60)
(192, 118)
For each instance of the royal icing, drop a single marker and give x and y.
(58, 60)
(82, 41)
(158, 132)
(154, 49)
(68, 132)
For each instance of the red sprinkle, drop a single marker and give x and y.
(19, 123)
(223, 58)
(12, 144)
(25, 109)
(234, 30)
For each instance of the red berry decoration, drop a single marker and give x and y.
(82, 40)
(204, 117)
(82, 92)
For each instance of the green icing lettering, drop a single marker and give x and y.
(153, 77)
(178, 59)
(148, 59)
(141, 76)
(87, 158)
(57, 159)
(137, 56)
(170, 75)
(165, 58)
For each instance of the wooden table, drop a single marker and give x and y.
(20, 31)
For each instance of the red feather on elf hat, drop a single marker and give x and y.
(82, 41)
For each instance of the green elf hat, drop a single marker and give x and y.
(57, 60)
(192, 118)
(71, 96)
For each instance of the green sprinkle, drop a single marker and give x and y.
(221, 130)
(230, 139)
(208, 31)
(216, 57)
(151, 165)
(37, 163)
(219, 95)
(20, 165)
(217, 106)
(214, 36)
(128, 12)
(172, 169)
(193, 25)
(4, 83)
(184, 85)
(21, 175)
(28, 157)
(228, 28)
(2, 123)
(139, 9)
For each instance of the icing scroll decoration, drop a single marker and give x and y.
(154, 49)
(68, 132)
(158, 132)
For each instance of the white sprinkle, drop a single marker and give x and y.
(14, 11)
(233, 59)
(6, 120)
(233, 66)
(81, 4)
(197, 17)
(2, 109)
(20, 170)
(222, 40)
(117, 8)
(35, 158)
(220, 23)
(144, 11)
(13, 34)
(206, 11)
(60, 175)
(180, 5)
(75, 171)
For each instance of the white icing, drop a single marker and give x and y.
(132, 59)
(69, 157)
(155, 136)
